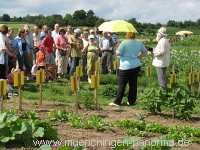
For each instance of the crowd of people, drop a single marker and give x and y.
(66, 48)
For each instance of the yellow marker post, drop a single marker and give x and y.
(198, 79)
(190, 79)
(40, 79)
(148, 71)
(78, 74)
(74, 88)
(172, 79)
(3, 91)
(95, 81)
(19, 82)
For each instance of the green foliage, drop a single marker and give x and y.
(108, 79)
(156, 146)
(153, 99)
(180, 99)
(109, 90)
(48, 147)
(142, 129)
(14, 129)
(88, 101)
(156, 128)
(58, 115)
(95, 122)
(183, 132)
(76, 121)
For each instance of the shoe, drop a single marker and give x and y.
(130, 104)
(113, 104)
(89, 81)
(29, 78)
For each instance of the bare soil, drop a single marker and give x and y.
(99, 140)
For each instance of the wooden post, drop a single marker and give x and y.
(19, 82)
(198, 79)
(1, 94)
(74, 88)
(95, 85)
(40, 79)
(78, 75)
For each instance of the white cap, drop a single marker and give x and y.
(77, 30)
(92, 30)
(162, 30)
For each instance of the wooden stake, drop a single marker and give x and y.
(20, 98)
(1, 94)
(40, 94)
(19, 89)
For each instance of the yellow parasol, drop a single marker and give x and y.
(184, 33)
(117, 26)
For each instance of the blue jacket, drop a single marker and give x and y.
(18, 46)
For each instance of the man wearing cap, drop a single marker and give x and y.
(76, 48)
(161, 56)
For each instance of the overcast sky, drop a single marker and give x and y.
(143, 10)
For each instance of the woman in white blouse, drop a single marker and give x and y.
(161, 58)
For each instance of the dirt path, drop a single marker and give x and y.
(99, 140)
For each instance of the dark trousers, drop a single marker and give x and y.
(130, 77)
(74, 64)
(106, 61)
(24, 60)
(2, 71)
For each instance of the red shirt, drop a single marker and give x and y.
(48, 43)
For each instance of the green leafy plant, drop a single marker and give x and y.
(95, 122)
(180, 99)
(153, 100)
(108, 79)
(109, 90)
(88, 101)
(14, 129)
(60, 115)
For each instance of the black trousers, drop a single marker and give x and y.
(2, 71)
(130, 77)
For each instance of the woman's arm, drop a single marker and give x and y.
(163, 46)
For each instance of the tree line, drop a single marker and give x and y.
(89, 19)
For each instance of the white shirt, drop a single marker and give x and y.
(85, 43)
(2, 48)
(54, 34)
(105, 44)
(162, 53)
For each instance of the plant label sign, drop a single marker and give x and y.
(3, 87)
(3, 91)
(95, 81)
(18, 78)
